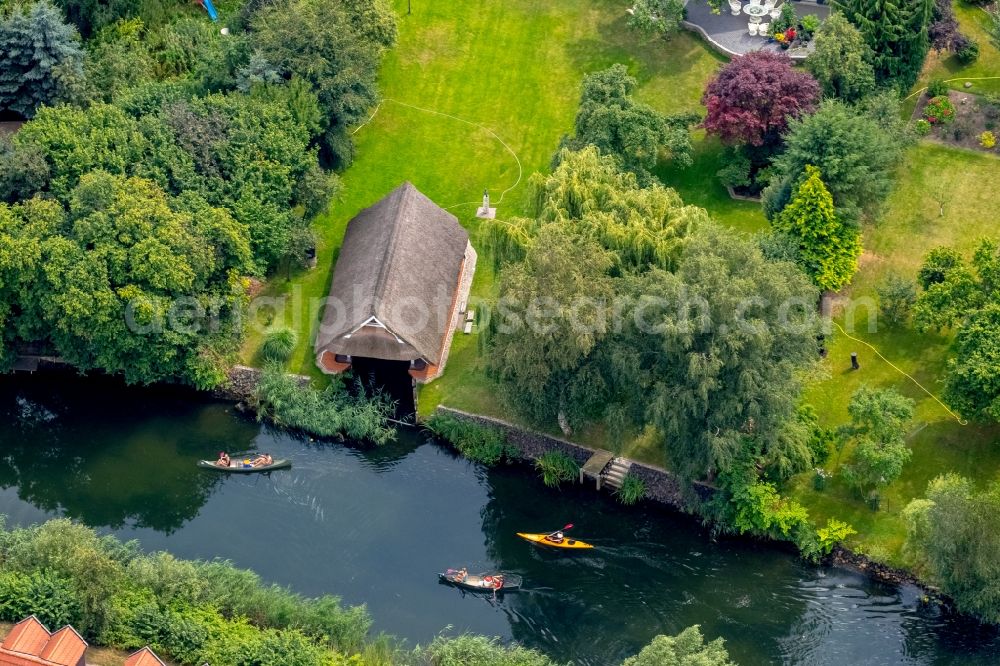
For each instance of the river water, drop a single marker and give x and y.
(374, 526)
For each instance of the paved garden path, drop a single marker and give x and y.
(728, 34)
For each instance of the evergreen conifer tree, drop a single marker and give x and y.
(828, 248)
(896, 31)
(41, 61)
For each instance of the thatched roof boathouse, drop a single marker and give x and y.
(399, 287)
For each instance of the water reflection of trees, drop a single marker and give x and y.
(106, 455)
(652, 572)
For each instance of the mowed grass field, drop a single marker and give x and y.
(515, 67)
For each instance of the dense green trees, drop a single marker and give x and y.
(896, 31)
(717, 361)
(633, 132)
(189, 612)
(828, 248)
(41, 61)
(854, 150)
(954, 536)
(223, 132)
(963, 296)
(129, 280)
(841, 60)
(336, 47)
(244, 153)
(625, 305)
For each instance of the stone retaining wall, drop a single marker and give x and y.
(242, 384)
(661, 485)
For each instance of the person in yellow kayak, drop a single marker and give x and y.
(556, 537)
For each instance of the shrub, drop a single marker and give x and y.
(821, 440)
(961, 129)
(481, 651)
(810, 23)
(987, 139)
(480, 443)
(278, 345)
(896, 296)
(632, 490)
(688, 648)
(737, 169)
(332, 411)
(936, 88)
(41, 593)
(922, 127)
(833, 533)
(557, 467)
(820, 478)
(939, 111)
(968, 52)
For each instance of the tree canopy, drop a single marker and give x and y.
(336, 47)
(841, 60)
(896, 32)
(880, 419)
(753, 97)
(855, 153)
(954, 536)
(127, 280)
(720, 355)
(828, 248)
(653, 316)
(634, 133)
(589, 193)
(657, 17)
(961, 295)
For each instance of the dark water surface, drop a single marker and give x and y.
(375, 525)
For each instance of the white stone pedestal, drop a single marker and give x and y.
(486, 213)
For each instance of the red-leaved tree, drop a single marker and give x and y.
(752, 98)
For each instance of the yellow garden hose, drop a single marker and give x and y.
(958, 418)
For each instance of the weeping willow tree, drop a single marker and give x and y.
(591, 197)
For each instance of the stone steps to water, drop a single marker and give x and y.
(616, 472)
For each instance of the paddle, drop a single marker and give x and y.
(563, 529)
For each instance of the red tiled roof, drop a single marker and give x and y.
(66, 647)
(29, 642)
(144, 657)
(28, 636)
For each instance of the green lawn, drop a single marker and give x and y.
(984, 74)
(913, 224)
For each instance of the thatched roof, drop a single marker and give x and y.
(399, 265)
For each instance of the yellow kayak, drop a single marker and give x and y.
(567, 543)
